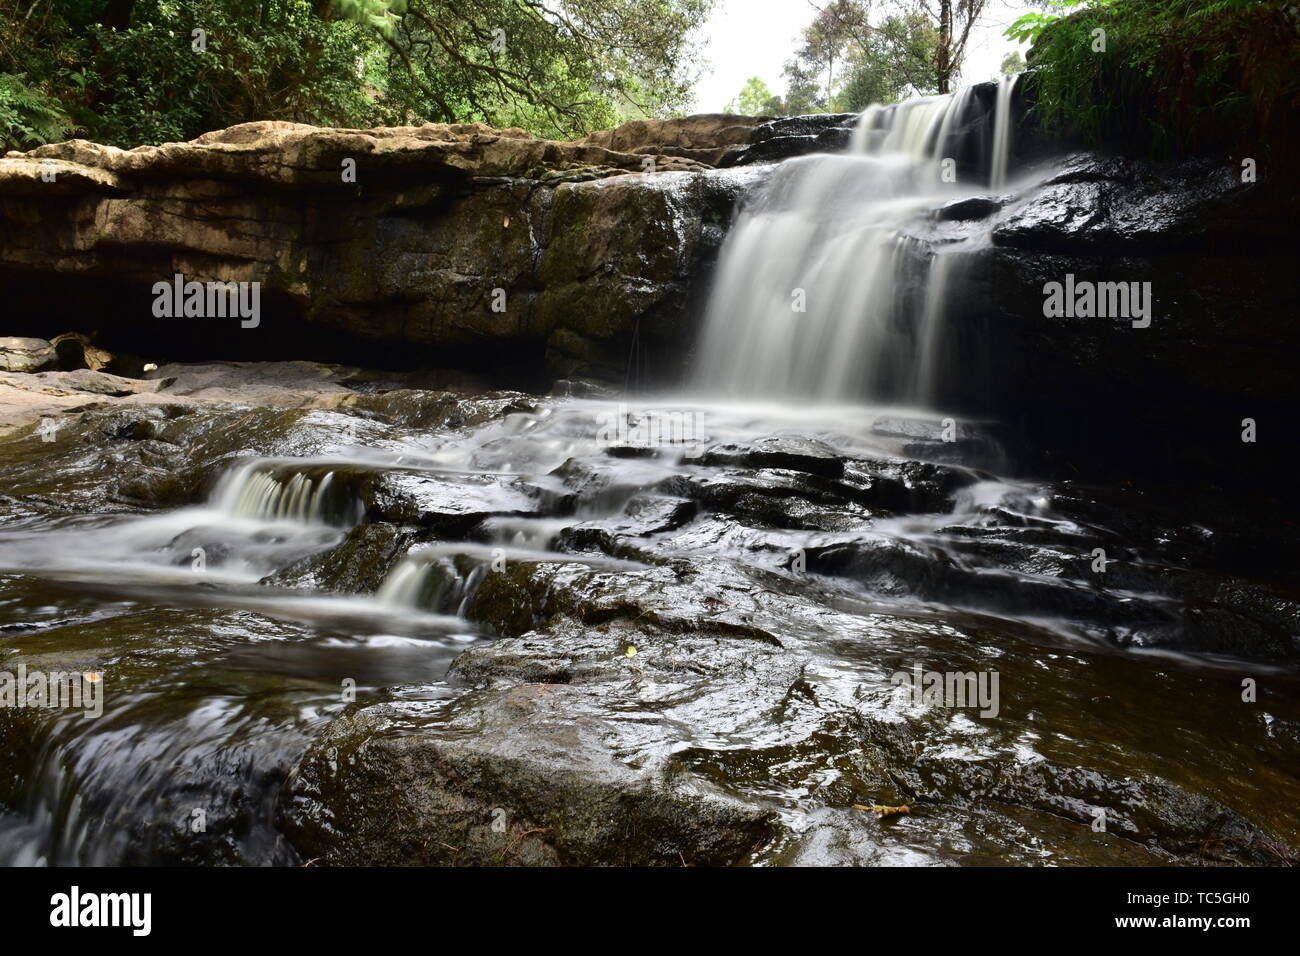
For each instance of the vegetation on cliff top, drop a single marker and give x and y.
(132, 72)
(1168, 76)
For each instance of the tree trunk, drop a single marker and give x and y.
(943, 66)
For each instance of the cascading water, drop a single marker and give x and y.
(821, 292)
(710, 588)
(258, 491)
(1002, 132)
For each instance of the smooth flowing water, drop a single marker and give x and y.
(821, 291)
(733, 602)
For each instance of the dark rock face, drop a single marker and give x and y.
(1167, 399)
(446, 241)
(449, 240)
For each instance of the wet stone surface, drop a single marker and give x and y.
(363, 621)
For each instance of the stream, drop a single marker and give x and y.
(302, 611)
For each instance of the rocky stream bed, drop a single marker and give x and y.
(569, 646)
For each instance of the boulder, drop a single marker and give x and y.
(19, 354)
(76, 350)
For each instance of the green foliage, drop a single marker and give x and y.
(803, 93)
(894, 60)
(28, 117)
(1176, 75)
(380, 15)
(127, 72)
(1012, 64)
(753, 99)
(561, 68)
(858, 52)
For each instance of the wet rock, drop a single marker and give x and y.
(520, 781)
(1121, 206)
(795, 136)
(357, 566)
(98, 460)
(1148, 402)
(676, 658)
(625, 255)
(906, 486)
(449, 506)
(132, 811)
(774, 498)
(963, 210)
(790, 453)
(598, 484)
(654, 515)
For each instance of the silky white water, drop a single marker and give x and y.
(821, 292)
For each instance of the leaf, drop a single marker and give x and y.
(883, 810)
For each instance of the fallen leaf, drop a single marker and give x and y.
(882, 810)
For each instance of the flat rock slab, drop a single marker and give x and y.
(26, 355)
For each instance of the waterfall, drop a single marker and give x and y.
(403, 584)
(822, 291)
(421, 582)
(931, 342)
(1002, 131)
(263, 491)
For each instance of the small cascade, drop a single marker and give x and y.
(433, 580)
(1002, 131)
(932, 327)
(266, 491)
(824, 290)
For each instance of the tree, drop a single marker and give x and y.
(803, 92)
(893, 60)
(830, 37)
(954, 20)
(1012, 63)
(558, 67)
(127, 72)
(753, 100)
(923, 41)
(851, 56)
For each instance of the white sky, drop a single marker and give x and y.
(745, 38)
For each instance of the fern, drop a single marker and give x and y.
(28, 117)
(1177, 76)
